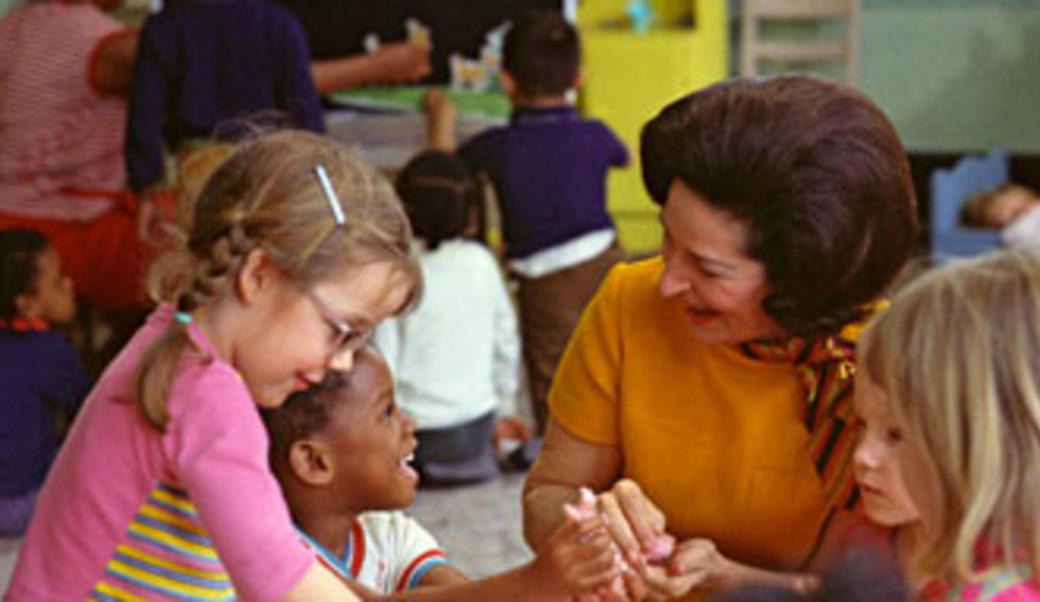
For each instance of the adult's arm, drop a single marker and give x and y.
(112, 62)
(147, 108)
(564, 464)
(401, 62)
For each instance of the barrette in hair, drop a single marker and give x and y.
(330, 195)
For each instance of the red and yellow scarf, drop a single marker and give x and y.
(826, 369)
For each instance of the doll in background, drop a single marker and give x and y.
(1012, 208)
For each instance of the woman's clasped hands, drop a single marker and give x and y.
(651, 564)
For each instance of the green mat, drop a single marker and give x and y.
(409, 98)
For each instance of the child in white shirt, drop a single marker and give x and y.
(456, 357)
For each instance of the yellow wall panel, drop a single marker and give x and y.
(631, 76)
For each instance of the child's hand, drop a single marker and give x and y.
(439, 107)
(440, 120)
(402, 62)
(510, 428)
(696, 564)
(578, 557)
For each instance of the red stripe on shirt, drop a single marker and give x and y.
(358, 549)
(402, 583)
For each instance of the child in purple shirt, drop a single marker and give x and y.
(549, 168)
(40, 371)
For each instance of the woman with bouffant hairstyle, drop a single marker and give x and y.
(706, 393)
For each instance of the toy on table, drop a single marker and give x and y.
(479, 74)
(417, 34)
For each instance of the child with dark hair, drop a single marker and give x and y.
(455, 358)
(341, 451)
(40, 371)
(549, 169)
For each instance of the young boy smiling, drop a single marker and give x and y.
(341, 452)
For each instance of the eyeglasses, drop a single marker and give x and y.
(347, 338)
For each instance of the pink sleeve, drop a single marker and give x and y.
(219, 450)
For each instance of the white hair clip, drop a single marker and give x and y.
(330, 195)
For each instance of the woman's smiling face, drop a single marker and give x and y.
(708, 272)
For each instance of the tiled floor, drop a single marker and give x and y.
(478, 527)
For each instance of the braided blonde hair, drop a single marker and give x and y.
(266, 197)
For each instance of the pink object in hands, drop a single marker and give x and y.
(660, 549)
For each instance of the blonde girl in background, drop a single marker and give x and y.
(297, 249)
(949, 390)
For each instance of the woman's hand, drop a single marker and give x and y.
(635, 523)
(696, 564)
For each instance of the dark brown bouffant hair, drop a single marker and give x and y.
(814, 170)
(542, 53)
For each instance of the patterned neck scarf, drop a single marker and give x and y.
(826, 368)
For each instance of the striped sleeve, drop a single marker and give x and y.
(415, 552)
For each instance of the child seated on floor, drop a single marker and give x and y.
(950, 451)
(1012, 208)
(41, 374)
(456, 357)
(341, 451)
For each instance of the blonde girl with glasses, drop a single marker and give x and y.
(295, 251)
(949, 391)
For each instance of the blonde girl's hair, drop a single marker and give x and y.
(265, 196)
(958, 356)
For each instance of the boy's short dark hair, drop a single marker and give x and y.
(440, 193)
(542, 53)
(302, 415)
(20, 250)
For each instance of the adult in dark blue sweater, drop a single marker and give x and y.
(206, 66)
(39, 371)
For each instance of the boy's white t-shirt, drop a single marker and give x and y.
(386, 551)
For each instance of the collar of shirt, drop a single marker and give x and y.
(524, 115)
(24, 325)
